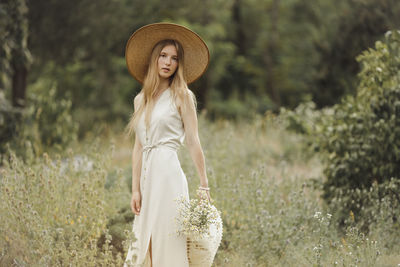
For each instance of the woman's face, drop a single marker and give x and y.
(167, 61)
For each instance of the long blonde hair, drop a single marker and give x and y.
(151, 82)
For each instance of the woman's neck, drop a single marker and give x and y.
(164, 84)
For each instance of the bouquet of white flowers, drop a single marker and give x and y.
(201, 223)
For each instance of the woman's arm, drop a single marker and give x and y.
(136, 165)
(189, 118)
(136, 170)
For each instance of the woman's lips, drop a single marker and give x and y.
(165, 69)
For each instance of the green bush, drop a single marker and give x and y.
(97, 95)
(45, 123)
(362, 137)
(237, 106)
(52, 117)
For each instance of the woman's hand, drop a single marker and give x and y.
(136, 202)
(201, 194)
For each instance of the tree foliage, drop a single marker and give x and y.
(289, 51)
(264, 53)
(342, 37)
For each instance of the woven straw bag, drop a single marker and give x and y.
(201, 250)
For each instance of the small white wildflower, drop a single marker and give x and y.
(196, 216)
(317, 214)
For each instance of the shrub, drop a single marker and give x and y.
(45, 123)
(237, 106)
(362, 138)
(51, 117)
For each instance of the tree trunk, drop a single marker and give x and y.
(203, 82)
(20, 73)
(270, 54)
(240, 38)
(20, 56)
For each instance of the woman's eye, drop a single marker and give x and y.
(174, 58)
(162, 55)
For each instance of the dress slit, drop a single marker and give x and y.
(150, 248)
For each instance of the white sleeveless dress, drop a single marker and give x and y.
(161, 181)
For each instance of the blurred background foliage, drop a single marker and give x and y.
(264, 53)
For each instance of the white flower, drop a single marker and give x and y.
(317, 214)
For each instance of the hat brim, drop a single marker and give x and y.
(140, 45)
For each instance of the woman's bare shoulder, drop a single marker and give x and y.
(187, 101)
(185, 97)
(188, 95)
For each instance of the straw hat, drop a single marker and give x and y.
(140, 45)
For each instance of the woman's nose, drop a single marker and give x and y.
(168, 61)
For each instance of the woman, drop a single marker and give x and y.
(164, 57)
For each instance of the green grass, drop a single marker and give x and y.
(261, 178)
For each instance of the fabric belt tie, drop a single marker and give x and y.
(148, 148)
